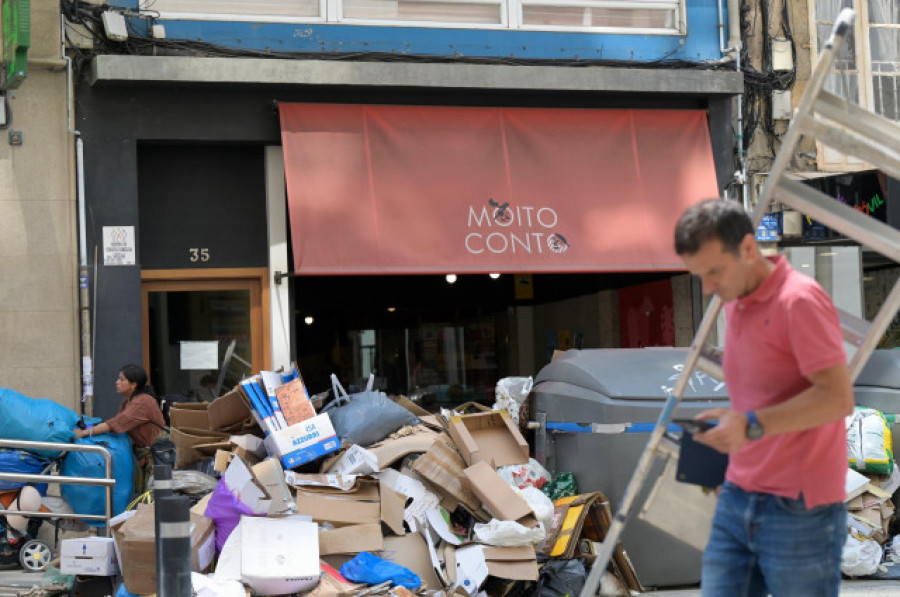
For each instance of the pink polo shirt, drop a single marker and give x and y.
(784, 330)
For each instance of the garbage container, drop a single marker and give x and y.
(664, 540)
(878, 387)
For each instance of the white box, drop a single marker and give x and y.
(89, 556)
(303, 442)
(279, 555)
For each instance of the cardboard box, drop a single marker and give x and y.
(230, 412)
(472, 564)
(304, 442)
(368, 502)
(271, 476)
(242, 482)
(194, 415)
(88, 556)
(136, 541)
(193, 445)
(497, 496)
(351, 539)
(279, 555)
(442, 466)
(491, 437)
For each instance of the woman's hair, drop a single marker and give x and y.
(711, 219)
(136, 375)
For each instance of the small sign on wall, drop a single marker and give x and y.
(118, 245)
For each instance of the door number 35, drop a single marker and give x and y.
(198, 254)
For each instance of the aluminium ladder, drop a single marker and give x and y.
(853, 131)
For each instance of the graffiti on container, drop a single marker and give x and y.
(696, 380)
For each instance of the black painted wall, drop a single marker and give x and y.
(119, 123)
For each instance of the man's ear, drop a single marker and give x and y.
(748, 246)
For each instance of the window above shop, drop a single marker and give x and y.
(665, 17)
(867, 71)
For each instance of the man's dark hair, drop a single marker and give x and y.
(712, 219)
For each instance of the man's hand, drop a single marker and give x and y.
(729, 435)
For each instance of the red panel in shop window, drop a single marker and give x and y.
(647, 315)
(413, 189)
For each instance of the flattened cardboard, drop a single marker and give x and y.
(392, 506)
(342, 508)
(411, 551)
(351, 539)
(496, 495)
(491, 437)
(511, 563)
(389, 451)
(443, 467)
(230, 412)
(271, 476)
(187, 440)
(241, 481)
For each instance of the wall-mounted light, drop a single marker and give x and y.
(308, 320)
(451, 278)
(494, 276)
(391, 309)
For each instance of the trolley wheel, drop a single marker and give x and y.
(35, 555)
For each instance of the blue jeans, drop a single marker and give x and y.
(763, 544)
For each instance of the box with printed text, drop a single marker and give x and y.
(303, 442)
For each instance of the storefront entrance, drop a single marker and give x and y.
(203, 330)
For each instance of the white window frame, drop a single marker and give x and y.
(509, 12)
(865, 83)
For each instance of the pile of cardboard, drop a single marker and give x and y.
(428, 497)
(869, 506)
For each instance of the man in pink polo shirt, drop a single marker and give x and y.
(780, 522)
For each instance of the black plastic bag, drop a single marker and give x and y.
(561, 578)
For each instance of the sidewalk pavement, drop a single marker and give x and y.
(849, 588)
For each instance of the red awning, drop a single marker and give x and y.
(412, 189)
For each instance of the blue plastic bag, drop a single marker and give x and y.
(35, 419)
(91, 499)
(20, 461)
(373, 570)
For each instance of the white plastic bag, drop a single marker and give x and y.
(508, 533)
(893, 551)
(520, 476)
(860, 557)
(511, 393)
(540, 504)
(869, 442)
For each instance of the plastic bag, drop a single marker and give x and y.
(508, 533)
(560, 578)
(366, 417)
(20, 461)
(225, 510)
(562, 485)
(91, 499)
(373, 570)
(860, 557)
(540, 504)
(531, 474)
(869, 442)
(511, 393)
(35, 419)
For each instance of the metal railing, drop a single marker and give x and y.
(108, 481)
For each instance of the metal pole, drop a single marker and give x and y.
(173, 546)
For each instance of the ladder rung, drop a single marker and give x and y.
(852, 143)
(867, 124)
(854, 328)
(710, 362)
(864, 229)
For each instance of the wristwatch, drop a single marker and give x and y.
(755, 429)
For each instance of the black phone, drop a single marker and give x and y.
(692, 426)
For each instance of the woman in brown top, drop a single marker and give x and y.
(139, 416)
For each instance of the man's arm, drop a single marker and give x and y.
(830, 397)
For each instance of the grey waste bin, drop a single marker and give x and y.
(610, 386)
(878, 387)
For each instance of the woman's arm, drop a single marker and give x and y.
(97, 429)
